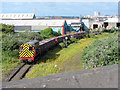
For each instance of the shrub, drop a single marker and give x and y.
(56, 34)
(64, 41)
(9, 53)
(73, 32)
(104, 30)
(101, 53)
(62, 45)
(7, 28)
(10, 44)
(47, 32)
(92, 35)
(73, 40)
(59, 32)
(68, 42)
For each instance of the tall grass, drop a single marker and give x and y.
(101, 53)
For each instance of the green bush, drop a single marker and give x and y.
(93, 35)
(101, 53)
(105, 30)
(68, 42)
(56, 34)
(9, 53)
(10, 44)
(73, 40)
(62, 45)
(73, 32)
(47, 32)
(112, 29)
(59, 32)
(7, 28)
(64, 41)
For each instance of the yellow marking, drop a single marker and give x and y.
(26, 52)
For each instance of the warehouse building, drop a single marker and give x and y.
(38, 25)
(73, 24)
(17, 16)
(112, 22)
(29, 21)
(95, 25)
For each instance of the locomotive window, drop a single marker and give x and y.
(30, 49)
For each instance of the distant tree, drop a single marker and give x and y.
(46, 32)
(27, 30)
(59, 32)
(7, 28)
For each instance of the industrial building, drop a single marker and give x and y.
(95, 25)
(112, 22)
(29, 21)
(38, 25)
(17, 16)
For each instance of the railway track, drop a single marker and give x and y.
(20, 72)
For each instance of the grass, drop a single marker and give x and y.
(65, 60)
(7, 66)
(9, 62)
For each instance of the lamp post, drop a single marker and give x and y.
(66, 41)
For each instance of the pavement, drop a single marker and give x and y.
(103, 77)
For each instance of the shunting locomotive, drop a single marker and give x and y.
(28, 51)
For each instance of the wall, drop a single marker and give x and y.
(86, 24)
(75, 27)
(21, 28)
(112, 24)
(96, 23)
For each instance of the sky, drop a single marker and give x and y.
(60, 0)
(60, 7)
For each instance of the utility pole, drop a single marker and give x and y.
(35, 11)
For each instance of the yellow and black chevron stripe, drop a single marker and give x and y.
(26, 52)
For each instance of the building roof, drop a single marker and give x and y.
(17, 15)
(115, 19)
(51, 22)
(69, 21)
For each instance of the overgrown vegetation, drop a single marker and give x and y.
(48, 32)
(101, 53)
(67, 42)
(11, 42)
(7, 28)
(73, 40)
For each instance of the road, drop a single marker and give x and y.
(104, 77)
